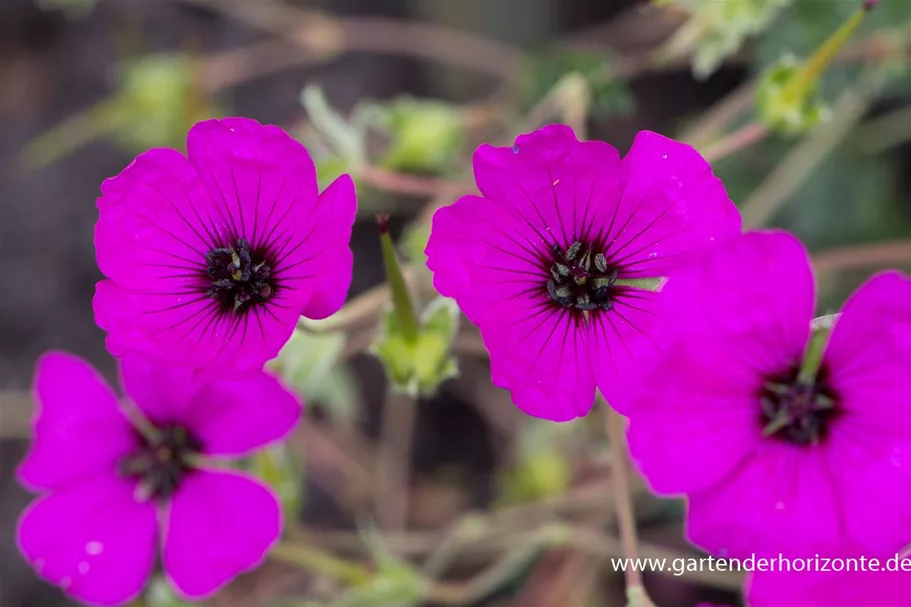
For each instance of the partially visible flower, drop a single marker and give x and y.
(112, 491)
(848, 586)
(211, 258)
(553, 261)
(785, 439)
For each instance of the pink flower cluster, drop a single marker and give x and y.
(584, 272)
(210, 260)
(787, 435)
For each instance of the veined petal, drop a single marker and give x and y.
(80, 430)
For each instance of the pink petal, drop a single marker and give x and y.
(780, 500)
(538, 352)
(554, 182)
(694, 422)
(162, 215)
(236, 417)
(328, 269)
(482, 251)
(755, 299)
(219, 525)
(156, 222)
(80, 430)
(669, 207)
(160, 390)
(264, 181)
(93, 539)
(869, 354)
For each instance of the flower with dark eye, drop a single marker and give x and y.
(557, 260)
(211, 258)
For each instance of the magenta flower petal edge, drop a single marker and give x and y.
(550, 260)
(111, 492)
(775, 460)
(211, 258)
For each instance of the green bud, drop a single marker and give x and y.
(716, 29)
(418, 367)
(425, 135)
(786, 95)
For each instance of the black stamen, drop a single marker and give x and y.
(239, 277)
(581, 278)
(161, 462)
(795, 411)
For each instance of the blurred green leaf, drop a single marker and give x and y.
(609, 95)
(309, 363)
(159, 594)
(157, 101)
(342, 141)
(717, 29)
(425, 135)
(277, 467)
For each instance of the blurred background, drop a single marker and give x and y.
(399, 93)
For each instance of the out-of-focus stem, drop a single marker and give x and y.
(626, 519)
(310, 557)
(394, 466)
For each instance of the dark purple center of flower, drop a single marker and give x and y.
(581, 278)
(161, 461)
(796, 411)
(240, 278)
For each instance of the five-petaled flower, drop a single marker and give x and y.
(550, 261)
(114, 490)
(786, 438)
(211, 258)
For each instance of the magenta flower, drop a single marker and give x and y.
(844, 585)
(778, 454)
(112, 493)
(547, 261)
(211, 258)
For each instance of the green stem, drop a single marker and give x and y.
(812, 358)
(309, 557)
(76, 131)
(816, 65)
(401, 300)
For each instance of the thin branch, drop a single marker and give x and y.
(742, 138)
(626, 517)
(326, 36)
(873, 255)
(394, 466)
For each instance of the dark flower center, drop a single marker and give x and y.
(240, 278)
(161, 462)
(581, 278)
(796, 411)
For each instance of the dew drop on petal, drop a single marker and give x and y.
(65, 582)
(94, 548)
(83, 567)
(779, 505)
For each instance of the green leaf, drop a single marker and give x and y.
(609, 95)
(159, 594)
(277, 467)
(717, 29)
(157, 101)
(309, 363)
(425, 135)
(343, 138)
